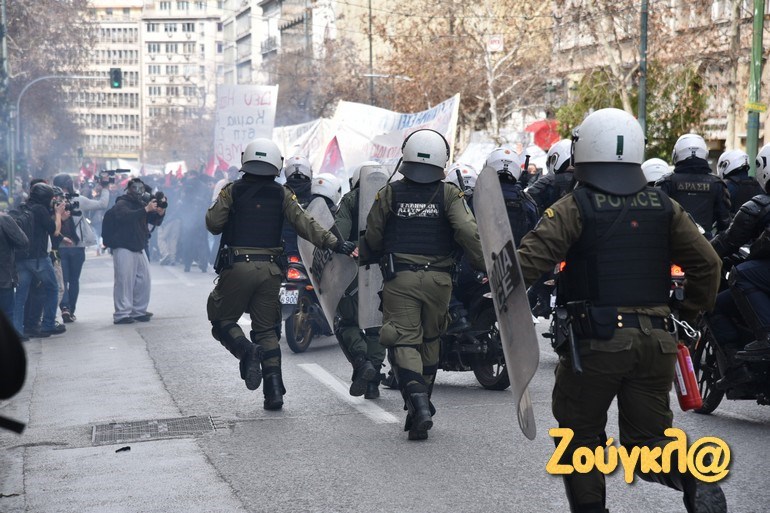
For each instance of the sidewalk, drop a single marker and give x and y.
(97, 374)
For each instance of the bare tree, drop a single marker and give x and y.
(173, 137)
(46, 37)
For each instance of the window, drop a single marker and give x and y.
(190, 90)
(188, 27)
(152, 27)
(219, 27)
(172, 69)
(169, 27)
(171, 48)
(172, 91)
(183, 5)
(188, 48)
(108, 11)
(201, 6)
(153, 90)
(165, 6)
(220, 47)
(153, 69)
(153, 47)
(126, 11)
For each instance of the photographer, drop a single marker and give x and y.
(125, 231)
(78, 235)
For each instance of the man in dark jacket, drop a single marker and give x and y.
(12, 239)
(133, 212)
(35, 265)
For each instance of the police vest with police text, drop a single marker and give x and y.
(256, 217)
(623, 255)
(418, 224)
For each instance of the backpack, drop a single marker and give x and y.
(521, 209)
(109, 228)
(26, 221)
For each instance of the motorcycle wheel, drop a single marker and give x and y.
(299, 326)
(704, 362)
(490, 369)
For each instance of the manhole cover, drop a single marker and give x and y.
(120, 432)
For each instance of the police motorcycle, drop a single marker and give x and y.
(715, 366)
(300, 308)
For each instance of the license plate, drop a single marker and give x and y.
(289, 297)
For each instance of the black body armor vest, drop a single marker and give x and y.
(760, 248)
(563, 183)
(256, 216)
(697, 194)
(622, 261)
(742, 189)
(418, 224)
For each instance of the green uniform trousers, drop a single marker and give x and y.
(353, 341)
(251, 287)
(635, 367)
(414, 308)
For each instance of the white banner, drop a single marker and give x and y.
(370, 133)
(243, 113)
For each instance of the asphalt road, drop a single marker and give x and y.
(324, 452)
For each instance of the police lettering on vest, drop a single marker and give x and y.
(620, 261)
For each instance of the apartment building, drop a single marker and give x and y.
(170, 54)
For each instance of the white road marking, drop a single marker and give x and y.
(368, 408)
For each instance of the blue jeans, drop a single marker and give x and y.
(72, 260)
(42, 269)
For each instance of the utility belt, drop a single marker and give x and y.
(580, 320)
(226, 257)
(390, 268)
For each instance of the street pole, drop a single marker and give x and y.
(371, 58)
(755, 84)
(642, 102)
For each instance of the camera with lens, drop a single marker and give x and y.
(73, 207)
(159, 197)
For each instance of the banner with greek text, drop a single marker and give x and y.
(243, 113)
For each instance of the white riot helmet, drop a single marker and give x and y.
(655, 169)
(357, 172)
(328, 186)
(689, 146)
(559, 156)
(732, 160)
(763, 167)
(425, 154)
(467, 173)
(298, 164)
(505, 161)
(261, 157)
(608, 150)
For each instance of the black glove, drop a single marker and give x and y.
(345, 247)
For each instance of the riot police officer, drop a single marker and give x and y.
(733, 168)
(328, 187)
(362, 348)
(250, 214)
(559, 180)
(750, 280)
(299, 176)
(654, 170)
(703, 195)
(618, 238)
(415, 222)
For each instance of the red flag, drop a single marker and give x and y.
(179, 171)
(332, 162)
(211, 166)
(223, 165)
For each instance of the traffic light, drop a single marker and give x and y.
(116, 78)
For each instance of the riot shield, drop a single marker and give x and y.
(373, 178)
(517, 332)
(329, 272)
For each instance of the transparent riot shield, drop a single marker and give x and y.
(373, 178)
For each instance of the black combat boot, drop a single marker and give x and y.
(249, 354)
(273, 389)
(363, 373)
(458, 323)
(373, 388)
(418, 418)
(759, 350)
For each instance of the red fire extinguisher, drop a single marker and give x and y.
(685, 382)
